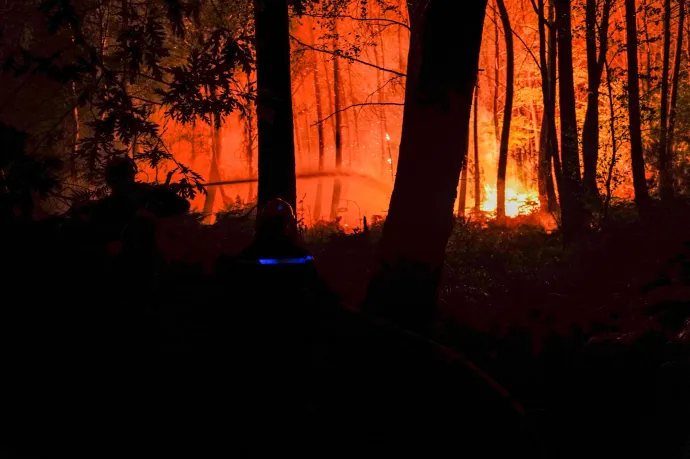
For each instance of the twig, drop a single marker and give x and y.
(355, 18)
(350, 58)
(397, 104)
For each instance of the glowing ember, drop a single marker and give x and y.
(517, 203)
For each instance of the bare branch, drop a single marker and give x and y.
(396, 104)
(349, 58)
(355, 18)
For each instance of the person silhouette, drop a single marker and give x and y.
(120, 229)
(130, 195)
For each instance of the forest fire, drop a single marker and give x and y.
(170, 168)
(517, 202)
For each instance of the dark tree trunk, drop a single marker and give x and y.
(572, 209)
(249, 150)
(329, 96)
(438, 103)
(355, 114)
(614, 141)
(507, 112)
(193, 143)
(664, 165)
(477, 169)
(75, 134)
(675, 81)
(497, 56)
(337, 185)
(648, 47)
(385, 167)
(553, 133)
(214, 173)
(636, 155)
(548, 145)
(274, 102)
(319, 132)
(595, 68)
(462, 195)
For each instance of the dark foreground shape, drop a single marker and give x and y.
(273, 369)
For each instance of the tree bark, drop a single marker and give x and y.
(552, 67)
(438, 103)
(497, 56)
(675, 81)
(507, 112)
(664, 165)
(636, 155)
(274, 103)
(648, 48)
(355, 114)
(76, 126)
(548, 145)
(249, 149)
(385, 167)
(337, 185)
(572, 209)
(329, 96)
(477, 169)
(319, 131)
(595, 68)
(614, 141)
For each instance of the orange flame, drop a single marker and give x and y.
(517, 202)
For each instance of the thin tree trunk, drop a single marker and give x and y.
(76, 126)
(214, 172)
(337, 185)
(533, 139)
(192, 142)
(548, 146)
(299, 153)
(636, 155)
(319, 131)
(462, 195)
(438, 102)
(249, 150)
(477, 169)
(401, 55)
(355, 114)
(496, 78)
(614, 145)
(307, 134)
(383, 128)
(664, 165)
(507, 113)
(648, 42)
(329, 96)
(553, 132)
(573, 216)
(595, 68)
(676, 83)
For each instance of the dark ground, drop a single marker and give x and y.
(103, 358)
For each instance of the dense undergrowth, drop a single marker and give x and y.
(593, 339)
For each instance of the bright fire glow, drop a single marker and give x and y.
(517, 203)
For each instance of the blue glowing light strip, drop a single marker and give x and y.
(285, 261)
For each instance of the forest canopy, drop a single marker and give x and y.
(172, 83)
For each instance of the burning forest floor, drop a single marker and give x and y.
(593, 340)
